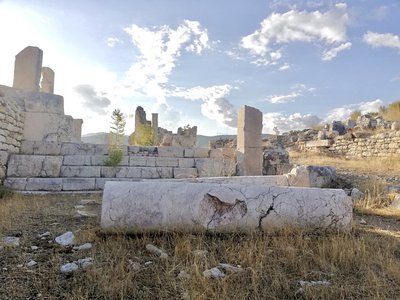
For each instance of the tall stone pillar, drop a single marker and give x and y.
(154, 123)
(249, 145)
(140, 117)
(47, 83)
(28, 69)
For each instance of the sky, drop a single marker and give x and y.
(193, 62)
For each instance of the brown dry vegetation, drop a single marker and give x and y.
(362, 264)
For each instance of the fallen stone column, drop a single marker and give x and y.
(155, 206)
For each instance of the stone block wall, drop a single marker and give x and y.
(379, 145)
(57, 166)
(11, 132)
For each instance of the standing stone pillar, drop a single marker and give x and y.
(47, 84)
(154, 123)
(249, 146)
(28, 69)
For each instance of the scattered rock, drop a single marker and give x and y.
(356, 194)
(65, 239)
(11, 241)
(84, 262)
(396, 202)
(214, 273)
(134, 266)
(183, 275)
(69, 268)
(87, 201)
(31, 264)
(34, 248)
(148, 263)
(363, 222)
(20, 265)
(44, 235)
(230, 268)
(157, 251)
(84, 213)
(79, 206)
(269, 251)
(85, 246)
(304, 284)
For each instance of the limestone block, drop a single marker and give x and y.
(100, 160)
(28, 68)
(312, 176)
(78, 184)
(48, 127)
(186, 162)
(76, 133)
(157, 172)
(47, 83)
(142, 161)
(80, 171)
(319, 143)
(101, 149)
(201, 152)
(221, 207)
(129, 172)
(44, 184)
(43, 103)
(3, 172)
(188, 152)
(77, 160)
(170, 151)
(34, 166)
(16, 183)
(216, 153)
(77, 149)
(166, 162)
(250, 162)
(3, 157)
(185, 173)
(46, 148)
(100, 182)
(212, 167)
(109, 172)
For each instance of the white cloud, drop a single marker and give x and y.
(328, 28)
(93, 100)
(112, 41)
(286, 122)
(284, 67)
(332, 53)
(298, 90)
(215, 105)
(375, 39)
(343, 113)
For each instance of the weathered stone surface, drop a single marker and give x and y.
(249, 145)
(185, 172)
(80, 171)
(166, 162)
(319, 143)
(43, 103)
(100, 182)
(186, 162)
(129, 172)
(44, 184)
(201, 152)
(78, 184)
(312, 176)
(142, 161)
(157, 172)
(47, 83)
(210, 167)
(220, 207)
(34, 166)
(77, 160)
(170, 151)
(28, 68)
(16, 183)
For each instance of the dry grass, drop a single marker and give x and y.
(388, 166)
(362, 264)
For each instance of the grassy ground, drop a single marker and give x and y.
(363, 264)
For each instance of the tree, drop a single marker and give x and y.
(116, 138)
(144, 135)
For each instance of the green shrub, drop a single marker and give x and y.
(114, 158)
(5, 192)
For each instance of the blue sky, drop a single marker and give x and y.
(197, 62)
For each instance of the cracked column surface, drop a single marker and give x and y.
(155, 206)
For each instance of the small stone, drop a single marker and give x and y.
(269, 251)
(356, 194)
(34, 248)
(134, 266)
(20, 265)
(87, 201)
(214, 273)
(69, 268)
(230, 268)
(11, 241)
(363, 222)
(312, 283)
(84, 262)
(44, 235)
(148, 263)
(85, 246)
(31, 264)
(65, 239)
(183, 275)
(79, 206)
(84, 213)
(157, 251)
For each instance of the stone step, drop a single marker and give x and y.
(59, 184)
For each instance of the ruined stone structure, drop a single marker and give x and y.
(249, 145)
(30, 115)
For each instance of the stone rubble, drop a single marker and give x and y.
(213, 273)
(65, 239)
(157, 251)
